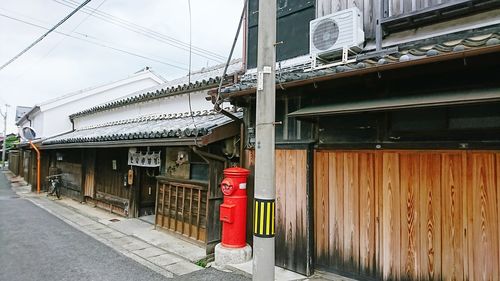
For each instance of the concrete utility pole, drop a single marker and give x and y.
(4, 115)
(265, 182)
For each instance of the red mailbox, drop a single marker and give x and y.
(233, 212)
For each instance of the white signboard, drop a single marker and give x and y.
(143, 159)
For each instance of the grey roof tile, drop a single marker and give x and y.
(296, 73)
(181, 125)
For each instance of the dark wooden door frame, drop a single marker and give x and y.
(139, 173)
(309, 231)
(310, 210)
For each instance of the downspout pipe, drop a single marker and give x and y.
(378, 25)
(37, 166)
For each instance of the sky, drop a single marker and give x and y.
(127, 36)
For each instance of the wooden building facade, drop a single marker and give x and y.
(159, 153)
(390, 194)
(167, 166)
(387, 168)
(183, 196)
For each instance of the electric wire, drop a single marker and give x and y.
(218, 100)
(44, 35)
(189, 73)
(84, 35)
(57, 44)
(148, 30)
(144, 31)
(96, 43)
(190, 46)
(140, 30)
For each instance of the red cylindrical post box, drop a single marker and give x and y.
(233, 211)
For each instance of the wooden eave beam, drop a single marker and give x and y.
(222, 132)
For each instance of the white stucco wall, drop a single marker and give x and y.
(53, 118)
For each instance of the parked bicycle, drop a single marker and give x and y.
(55, 185)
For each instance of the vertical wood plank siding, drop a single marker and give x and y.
(14, 162)
(181, 208)
(485, 218)
(369, 8)
(430, 173)
(109, 190)
(452, 191)
(291, 207)
(89, 173)
(325, 7)
(408, 215)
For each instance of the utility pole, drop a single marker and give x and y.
(4, 115)
(265, 182)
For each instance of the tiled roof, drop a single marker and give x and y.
(205, 78)
(160, 126)
(296, 73)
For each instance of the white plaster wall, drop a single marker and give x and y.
(56, 113)
(173, 104)
(38, 124)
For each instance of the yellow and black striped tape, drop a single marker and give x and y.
(263, 218)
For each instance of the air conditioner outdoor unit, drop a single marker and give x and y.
(332, 34)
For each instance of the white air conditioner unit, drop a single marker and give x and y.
(331, 34)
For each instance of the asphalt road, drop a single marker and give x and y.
(35, 245)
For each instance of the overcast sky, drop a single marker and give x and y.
(60, 64)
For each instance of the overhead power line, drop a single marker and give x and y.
(44, 35)
(147, 32)
(96, 43)
(57, 44)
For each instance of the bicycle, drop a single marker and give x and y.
(55, 181)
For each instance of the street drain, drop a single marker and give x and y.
(114, 220)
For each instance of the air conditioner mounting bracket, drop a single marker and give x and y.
(324, 63)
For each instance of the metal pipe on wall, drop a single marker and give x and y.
(4, 143)
(37, 166)
(378, 27)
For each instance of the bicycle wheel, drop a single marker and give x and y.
(50, 190)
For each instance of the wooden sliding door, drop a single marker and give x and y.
(408, 215)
